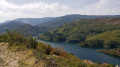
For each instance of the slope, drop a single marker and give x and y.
(11, 25)
(29, 30)
(109, 39)
(78, 31)
(33, 21)
(58, 21)
(20, 51)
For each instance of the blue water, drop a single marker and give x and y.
(85, 53)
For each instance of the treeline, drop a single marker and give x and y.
(80, 31)
(113, 52)
(16, 39)
(13, 38)
(44, 52)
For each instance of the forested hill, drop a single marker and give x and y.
(25, 29)
(34, 21)
(79, 31)
(29, 30)
(11, 25)
(45, 24)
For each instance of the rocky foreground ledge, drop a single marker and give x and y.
(12, 58)
(9, 58)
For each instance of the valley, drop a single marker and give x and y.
(59, 33)
(20, 51)
(80, 37)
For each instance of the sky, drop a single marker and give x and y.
(12, 9)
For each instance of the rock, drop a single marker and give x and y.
(87, 61)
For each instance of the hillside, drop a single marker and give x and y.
(58, 21)
(11, 25)
(109, 39)
(25, 29)
(33, 21)
(112, 52)
(79, 31)
(20, 51)
(29, 30)
(45, 24)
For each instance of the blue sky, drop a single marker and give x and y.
(12, 9)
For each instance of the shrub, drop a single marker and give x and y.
(63, 54)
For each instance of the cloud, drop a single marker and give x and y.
(37, 9)
(103, 7)
(9, 11)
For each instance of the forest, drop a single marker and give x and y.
(83, 32)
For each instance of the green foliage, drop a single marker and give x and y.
(111, 38)
(14, 38)
(92, 43)
(31, 30)
(113, 52)
(113, 44)
(47, 49)
(79, 31)
(3, 38)
(39, 55)
(32, 42)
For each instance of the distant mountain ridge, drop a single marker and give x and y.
(33, 21)
(70, 18)
(57, 21)
(45, 24)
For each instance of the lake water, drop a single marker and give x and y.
(86, 53)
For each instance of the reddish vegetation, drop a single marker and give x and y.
(109, 21)
(88, 61)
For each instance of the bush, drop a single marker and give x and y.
(55, 51)
(63, 54)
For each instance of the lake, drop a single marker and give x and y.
(86, 53)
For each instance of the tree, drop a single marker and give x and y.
(32, 43)
(113, 44)
(96, 43)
